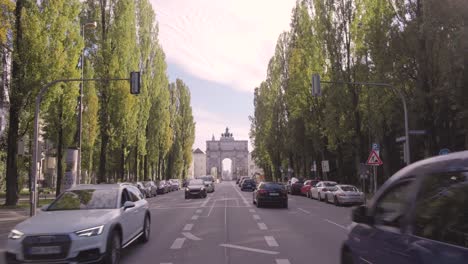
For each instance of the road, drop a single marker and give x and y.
(226, 228)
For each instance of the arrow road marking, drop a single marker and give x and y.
(188, 227)
(250, 249)
(271, 241)
(191, 236)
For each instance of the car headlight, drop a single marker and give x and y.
(89, 232)
(202, 188)
(15, 234)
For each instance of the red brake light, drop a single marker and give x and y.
(262, 191)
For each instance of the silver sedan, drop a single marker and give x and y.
(344, 194)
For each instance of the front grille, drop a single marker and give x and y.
(46, 241)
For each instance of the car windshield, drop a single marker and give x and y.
(272, 186)
(329, 184)
(196, 182)
(349, 188)
(85, 200)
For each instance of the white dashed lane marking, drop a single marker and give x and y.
(333, 223)
(191, 236)
(195, 217)
(199, 211)
(188, 227)
(250, 249)
(282, 261)
(271, 241)
(178, 243)
(305, 211)
(262, 226)
(252, 210)
(256, 217)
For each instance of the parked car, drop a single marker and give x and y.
(142, 188)
(85, 224)
(344, 194)
(270, 193)
(248, 184)
(241, 179)
(305, 189)
(163, 187)
(169, 185)
(195, 188)
(175, 184)
(295, 186)
(316, 191)
(419, 216)
(209, 184)
(151, 188)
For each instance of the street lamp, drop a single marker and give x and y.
(91, 26)
(316, 91)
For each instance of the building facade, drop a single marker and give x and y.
(199, 166)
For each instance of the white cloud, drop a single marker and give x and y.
(226, 41)
(209, 124)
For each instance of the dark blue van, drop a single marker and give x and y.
(419, 216)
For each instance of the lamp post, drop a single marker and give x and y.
(316, 91)
(91, 25)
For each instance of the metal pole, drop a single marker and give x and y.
(80, 110)
(375, 179)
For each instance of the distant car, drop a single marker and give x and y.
(195, 188)
(142, 188)
(175, 184)
(305, 189)
(209, 183)
(169, 186)
(341, 194)
(270, 193)
(295, 186)
(316, 191)
(151, 188)
(85, 224)
(248, 184)
(162, 187)
(241, 179)
(419, 215)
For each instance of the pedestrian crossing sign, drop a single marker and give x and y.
(374, 159)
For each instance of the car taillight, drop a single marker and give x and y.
(341, 194)
(262, 191)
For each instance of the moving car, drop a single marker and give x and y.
(248, 184)
(195, 188)
(419, 215)
(305, 189)
(295, 186)
(316, 192)
(151, 188)
(209, 183)
(85, 224)
(270, 193)
(344, 194)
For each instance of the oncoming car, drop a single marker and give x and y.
(195, 188)
(85, 224)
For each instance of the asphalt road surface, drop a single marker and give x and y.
(226, 228)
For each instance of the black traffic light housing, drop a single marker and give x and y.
(135, 82)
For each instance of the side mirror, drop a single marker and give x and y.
(360, 215)
(45, 207)
(128, 204)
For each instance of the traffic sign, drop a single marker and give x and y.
(374, 159)
(325, 166)
(444, 151)
(376, 148)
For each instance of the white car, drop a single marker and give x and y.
(316, 191)
(85, 224)
(344, 194)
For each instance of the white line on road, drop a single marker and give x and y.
(206, 202)
(252, 210)
(262, 226)
(211, 208)
(240, 194)
(178, 243)
(166, 263)
(188, 227)
(199, 211)
(256, 217)
(333, 223)
(305, 211)
(195, 217)
(191, 236)
(282, 261)
(250, 249)
(271, 241)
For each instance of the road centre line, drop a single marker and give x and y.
(191, 236)
(240, 194)
(271, 241)
(333, 223)
(211, 208)
(305, 211)
(206, 202)
(252, 210)
(262, 226)
(178, 243)
(250, 249)
(188, 227)
(256, 217)
(282, 261)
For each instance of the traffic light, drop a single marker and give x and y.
(135, 82)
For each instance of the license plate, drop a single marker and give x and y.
(45, 250)
(274, 194)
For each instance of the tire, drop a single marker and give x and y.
(114, 248)
(346, 256)
(285, 205)
(319, 197)
(146, 230)
(336, 202)
(259, 204)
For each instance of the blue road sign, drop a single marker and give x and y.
(444, 151)
(375, 146)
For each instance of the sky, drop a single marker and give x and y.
(220, 49)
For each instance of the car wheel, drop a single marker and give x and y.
(259, 204)
(346, 256)
(336, 202)
(319, 197)
(285, 205)
(114, 247)
(146, 230)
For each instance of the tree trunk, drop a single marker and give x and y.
(103, 158)
(122, 163)
(145, 168)
(136, 164)
(59, 156)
